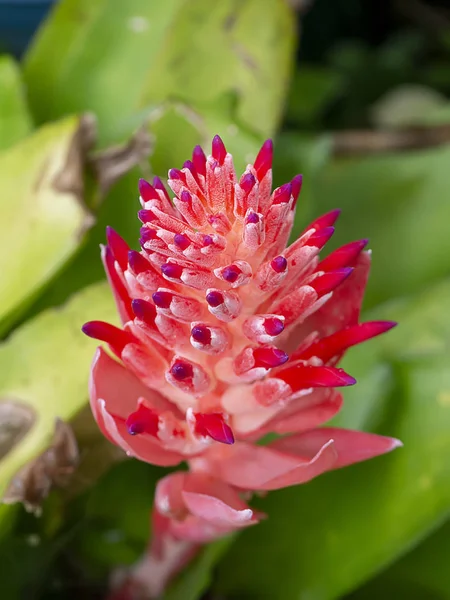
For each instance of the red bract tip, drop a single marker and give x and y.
(300, 377)
(118, 247)
(143, 420)
(343, 256)
(105, 332)
(273, 326)
(207, 240)
(158, 185)
(282, 195)
(145, 311)
(199, 160)
(329, 281)
(162, 299)
(171, 270)
(181, 370)
(263, 162)
(269, 357)
(337, 343)
(181, 241)
(146, 191)
(138, 264)
(218, 151)
(279, 264)
(326, 220)
(320, 238)
(214, 426)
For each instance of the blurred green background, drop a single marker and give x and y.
(356, 95)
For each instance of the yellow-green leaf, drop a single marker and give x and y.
(42, 216)
(15, 122)
(45, 366)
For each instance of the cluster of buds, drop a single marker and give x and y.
(228, 334)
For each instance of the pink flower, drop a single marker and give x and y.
(229, 335)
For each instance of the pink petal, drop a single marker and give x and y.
(263, 468)
(351, 446)
(119, 388)
(216, 511)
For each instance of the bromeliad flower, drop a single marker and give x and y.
(228, 335)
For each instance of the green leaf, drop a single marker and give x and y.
(45, 366)
(312, 89)
(122, 60)
(398, 201)
(423, 573)
(323, 539)
(15, 122)
(42, 216)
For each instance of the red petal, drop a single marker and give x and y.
(300, 377)
(337, 343)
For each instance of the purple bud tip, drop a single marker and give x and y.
(143, 310)
(162, 299)
(143, 420)
(207, 240)
(172, 270)
(199, 160)
(273, 326)
(181, 370)
(247, 182)
(181, 241)
(201, 334)
(231, 273)
(158, 185)
(147, 234)
(252, 218)
(176, 174)
(279, 264)
(146, 216)
(219, 151)
(137, 262)
(146, 191)
(185, 196)
(135, 427)
(188, 164)
(296, 184)
(214, 299)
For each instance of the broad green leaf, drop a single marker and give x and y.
(323, 539)
(222, 47)
(45, 365)
(15, 122)
(42, 216)
(122, 60)
(400, 202)
(420, 575)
